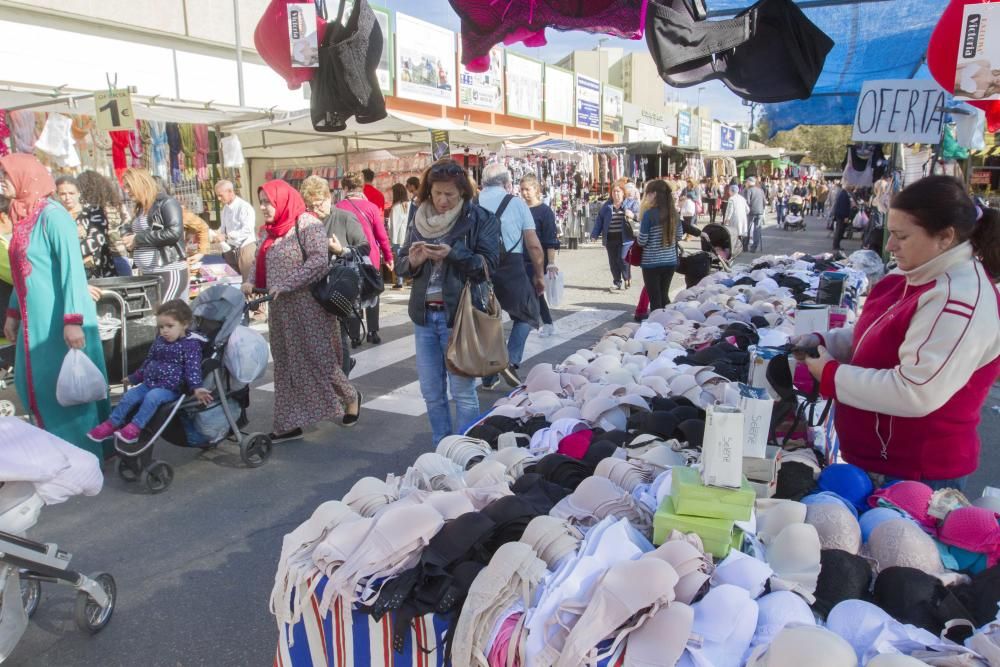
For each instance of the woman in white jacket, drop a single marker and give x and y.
(737, 212)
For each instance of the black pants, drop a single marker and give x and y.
(371, 318)
(839, 227)
(689, 227)
(615, 261)
(657, 282)
(710, 205)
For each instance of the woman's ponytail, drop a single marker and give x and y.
(986, 241)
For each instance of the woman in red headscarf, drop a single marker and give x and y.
(51, 309)
(309, 383)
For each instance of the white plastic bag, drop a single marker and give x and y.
(554, 287)
(860, 221)
(80, 381)
(246, 355)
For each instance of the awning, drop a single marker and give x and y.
(747, 154)
(399, 132)
(989, 151)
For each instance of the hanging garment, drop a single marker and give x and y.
(174, 142)
(23, 125)
(135, 150)
(770, 52)
(232, 152)
(56, 141)
(159, 147)
(4, 134)
(346, 84)
(271, 40)
(486, 24)
(201, 151)
(187, 145)
(120, 141)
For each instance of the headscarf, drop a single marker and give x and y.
(288, 206)
(32, 183)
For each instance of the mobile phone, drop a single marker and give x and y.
(803, 352)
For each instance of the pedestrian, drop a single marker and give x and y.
(309, 383)
(399, 218)
(615, 227)
(911, 376)
(632, 203)
(379, 249)
(344, 236)
(841, 215)
(659, 234)
(237, 230)
(91, 228)
(689, 214)
(518, 293)
(371, 193)
(548, 236)
(452, 241)
(50, 309)
(156, 237)
(737, 214)
(101, 193)
(714, 199)
(197, 237)
(756, 200)
(822, 194)
(781, 203)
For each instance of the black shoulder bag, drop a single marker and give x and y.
(338, 291)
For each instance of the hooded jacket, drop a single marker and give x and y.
(912, 375)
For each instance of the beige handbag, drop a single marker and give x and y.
(476, 347)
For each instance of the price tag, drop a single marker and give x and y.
(114, 110)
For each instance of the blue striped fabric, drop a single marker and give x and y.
(654, 253)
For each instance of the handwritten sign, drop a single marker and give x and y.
(900, 111)
(113, 110)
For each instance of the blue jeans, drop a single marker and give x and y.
(435, 380)
(515, 346)
(148, 400)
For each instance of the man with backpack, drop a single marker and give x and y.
(518, 295)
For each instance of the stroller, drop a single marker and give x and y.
(717, 251)
(794, 218)
(48, 471)
(218, 311)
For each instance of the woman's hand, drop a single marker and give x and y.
(129, 242)
(437, 252)
(203, 395)
(10, 328)
(73, 335)
(417, 253)
(247, 289)
(391, 266)
(95, 293)
(552, 268)
(336, 247)
(817, 364)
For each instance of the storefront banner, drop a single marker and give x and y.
(588, 103)
(979, 54)
(900, 111)
(727, 138)
(483, 91)
(425, 61)
(524, 86)
(560, 103)
(614, 102)
(684, 128)
(384, 69)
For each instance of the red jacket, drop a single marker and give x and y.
(375, 196)
(922, 358)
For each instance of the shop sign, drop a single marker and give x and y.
(559, 102)
(588, 102)
(651, 133)
(978, 54)
(727, 138)
(684, 128)
(384, 69)
(980, 177)
(654, 118)
(614, 103)
(113, 110)
(900, 111)
(440, 144)
(425, 61)
(525, 82)
(483, 91)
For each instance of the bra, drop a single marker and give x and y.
(770, 52)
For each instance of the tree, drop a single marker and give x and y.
(827, 144)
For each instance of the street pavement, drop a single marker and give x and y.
(195, 565)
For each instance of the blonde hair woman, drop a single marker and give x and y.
(156, 235)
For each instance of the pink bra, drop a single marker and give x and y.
(486, 23)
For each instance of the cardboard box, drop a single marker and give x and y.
(691, 497)
(762, 472)
(756, 405)
(722, 449)
(717, 534)
(759, 358)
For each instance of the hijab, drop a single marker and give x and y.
(32, 182)
(288, 206)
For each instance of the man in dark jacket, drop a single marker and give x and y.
(841, 216)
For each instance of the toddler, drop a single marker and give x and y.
(172, 367)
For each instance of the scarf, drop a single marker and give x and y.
(32, 183)
(174, 142)
(288, 206)
(432, 225)
(201, 151)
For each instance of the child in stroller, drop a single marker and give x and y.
(795, 219)
(173, 364)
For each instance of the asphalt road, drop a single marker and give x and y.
(195, 565)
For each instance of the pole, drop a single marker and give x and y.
(239, 52)
(600, 73)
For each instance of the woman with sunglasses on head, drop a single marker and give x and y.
(452, 240)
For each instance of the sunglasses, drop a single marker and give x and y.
(449, 169)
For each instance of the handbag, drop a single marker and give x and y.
(372, 283)
(339, 290)
(476, 347)
(634, 255)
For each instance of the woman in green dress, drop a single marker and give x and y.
(51, 309)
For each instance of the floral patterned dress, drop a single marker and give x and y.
(309, 383)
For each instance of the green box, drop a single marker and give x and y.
(716, 534)
(693, 498)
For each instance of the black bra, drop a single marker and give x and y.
(770, 52)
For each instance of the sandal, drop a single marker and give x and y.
(351, 420)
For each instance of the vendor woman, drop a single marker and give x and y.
(910, 378)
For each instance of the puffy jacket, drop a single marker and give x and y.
(166, 230)
(475, 247)
(604, 221)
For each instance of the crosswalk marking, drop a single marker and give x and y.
(407, 400)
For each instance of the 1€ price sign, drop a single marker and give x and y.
(113, 109)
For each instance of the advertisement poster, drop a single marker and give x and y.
(440, 144)
(524, 87)
(559, 102)
(384, 70)
(425, 61)
(302, 36)
(977, 73)
(588, 102)
(727, 140)
(483, 91)
(614, 106)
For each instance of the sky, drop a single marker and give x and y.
(723, 104)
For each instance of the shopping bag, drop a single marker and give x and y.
(554, 287)
(246, 355)
(634, 255)
(80, 380)
(476, 347)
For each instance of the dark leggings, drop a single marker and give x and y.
(615, 261)
(371, 318)
(657, 280)
(689, 227)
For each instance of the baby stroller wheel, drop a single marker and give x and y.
(157, 476)
(255, 449)
(31, 595)
(90, 616)
(125, 469)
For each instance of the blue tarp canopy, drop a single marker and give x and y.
(874, 39)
